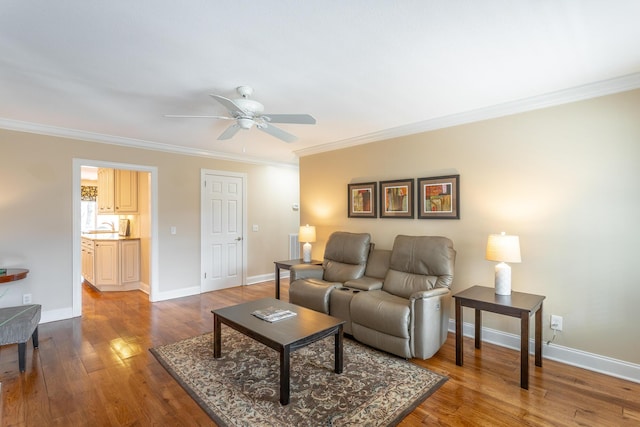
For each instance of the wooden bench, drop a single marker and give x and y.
(17, 324)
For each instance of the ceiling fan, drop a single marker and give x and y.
(247, 112)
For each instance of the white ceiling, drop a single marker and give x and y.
(366, 70)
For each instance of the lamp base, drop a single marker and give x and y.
(306, 252)
(503, 279)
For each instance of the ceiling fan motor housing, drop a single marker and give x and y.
(245, 123)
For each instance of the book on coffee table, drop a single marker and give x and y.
(273, 314)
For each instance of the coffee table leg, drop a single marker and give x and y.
(284, 375)
(339, 355)
(217, 329)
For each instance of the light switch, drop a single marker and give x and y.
(173, 229)
(255, 227)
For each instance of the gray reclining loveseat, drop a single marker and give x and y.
(399, 304)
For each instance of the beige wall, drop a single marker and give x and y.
(36, 213)
(565, 179)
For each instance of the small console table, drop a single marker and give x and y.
(286, 265)
(518, 304)
(13, 274)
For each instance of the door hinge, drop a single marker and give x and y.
(205, 275)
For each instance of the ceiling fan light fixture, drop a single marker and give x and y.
(245, 123)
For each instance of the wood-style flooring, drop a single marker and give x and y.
(97, 371)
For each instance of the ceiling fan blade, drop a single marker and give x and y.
(277, 132)
(234, 109)
(198, 117)
(230, 132)
(301, 119)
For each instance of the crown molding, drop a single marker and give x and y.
(578, 93)
(41, 129)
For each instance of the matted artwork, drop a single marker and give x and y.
(439, 197)
(396, 198)
(362, 200)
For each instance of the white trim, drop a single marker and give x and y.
(76, 307)
(570, 356)
(579, 93)
(261, 278)
(81, 135)
(177, 293)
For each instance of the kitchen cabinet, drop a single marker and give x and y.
(129, 261)
(111, 264)
(117, 191)
(106, 191)
(86, 258)
(126, 191)
(106, 263)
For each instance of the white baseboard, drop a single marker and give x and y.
(55, 315)
(262, 278)
(178, 293)
(570, 356)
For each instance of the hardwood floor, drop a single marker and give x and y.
(97, 370)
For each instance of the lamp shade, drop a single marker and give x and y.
(503, 248)
(307, 234)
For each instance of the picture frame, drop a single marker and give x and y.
(396, 198)
(362, 199)
(439, 197)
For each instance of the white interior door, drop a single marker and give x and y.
(222, 231)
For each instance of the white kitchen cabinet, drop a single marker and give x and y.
(117, 191)
(126, 191)
(106, 263)
(129, 261)
(87, 260)
(111, 264)
(106, 191)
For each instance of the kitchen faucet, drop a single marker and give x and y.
(110, 224)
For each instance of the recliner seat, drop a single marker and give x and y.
(409, 315)
(345, 258)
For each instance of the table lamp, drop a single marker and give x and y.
(503, 248)
(307, 235)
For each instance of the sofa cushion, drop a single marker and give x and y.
(312, 293)
(419, 264)
(378, 263)
(381, 311)
(345, 256)
(406, 284)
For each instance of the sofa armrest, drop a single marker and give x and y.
(430, 293)
(364, 283)
(305, 271)
(429, 321)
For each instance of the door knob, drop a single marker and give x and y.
(238, 239)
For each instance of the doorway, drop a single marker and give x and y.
(223, 230)
(149, 226)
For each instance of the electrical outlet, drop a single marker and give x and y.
(556, 322)
(26, 299)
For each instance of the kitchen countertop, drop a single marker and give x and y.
(107, 236)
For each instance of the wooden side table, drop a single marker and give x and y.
(518, 304)
(286, 265)
(13, 274)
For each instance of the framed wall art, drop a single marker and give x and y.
(396, 199)
(362, 200)
(439, 197)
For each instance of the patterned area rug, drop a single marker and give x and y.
(242, 387)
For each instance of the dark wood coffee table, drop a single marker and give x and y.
(284, 336)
